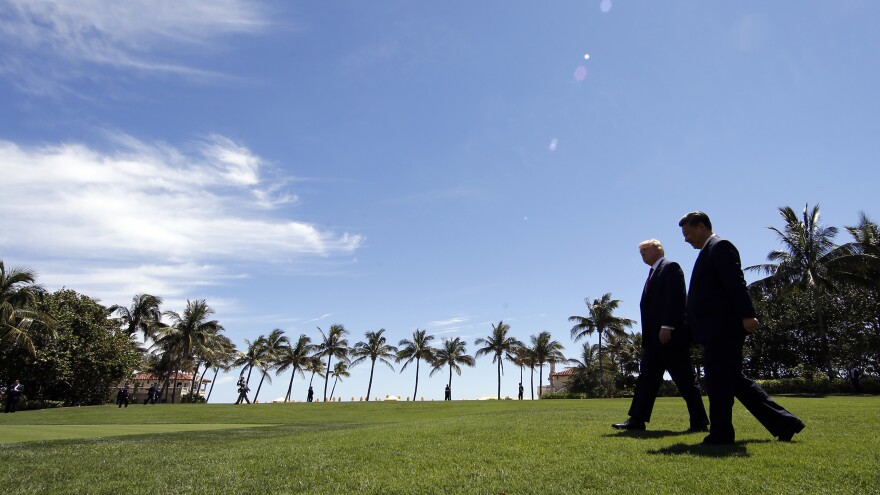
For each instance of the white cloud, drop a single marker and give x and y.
(451, 321)
(54, 37)
(150, 217)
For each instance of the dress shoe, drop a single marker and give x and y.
(711, 440)
(700, 428)
(786, 435)
(630, 424)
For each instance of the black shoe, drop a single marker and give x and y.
(711, 440)
(629, 424)
(699, 428)
(786, 435)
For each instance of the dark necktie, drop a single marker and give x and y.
(650, 274)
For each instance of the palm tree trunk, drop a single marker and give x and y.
(192, 384)
(202, 378)
(213, 381)
(601, 372)
(370, 384)
(247, 381)
(532, 381)
(176, 374)
(416, 391)
(258, 388)
(823, 336)
(290, 387)
(333, 390)
(312, 379)
(499, 377)
(540, 380)
(450, 381)
(327, 376)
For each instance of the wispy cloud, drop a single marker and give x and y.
(150, 216)
(55, 39)
(456, 320)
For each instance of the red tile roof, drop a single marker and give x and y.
(565, 372)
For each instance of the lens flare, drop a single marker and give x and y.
(605, 6)
(553, 144)
(580, 73)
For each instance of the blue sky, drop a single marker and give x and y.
(410, 166)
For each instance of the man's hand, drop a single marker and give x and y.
(751, 324)
(665, 335)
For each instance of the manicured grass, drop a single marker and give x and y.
(30, 433)
(564, 446)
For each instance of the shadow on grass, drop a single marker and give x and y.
(738, 449)
(646, 433)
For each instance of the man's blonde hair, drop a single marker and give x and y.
(655, 243)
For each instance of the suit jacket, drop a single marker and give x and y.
(663, 304)
(718, 298)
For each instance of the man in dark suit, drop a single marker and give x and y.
(665, 343)
(720, 315)
(13, 393)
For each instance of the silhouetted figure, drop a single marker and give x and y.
(447, 394)
(854, 376)
(242, 391)
(311, 395)
(151, 395)
(13, 393)
(122, 396)
(520, 393)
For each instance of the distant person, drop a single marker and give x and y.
(520, 394)
(854, 375)
(242, 391)
(720, 315)
(447, 394)
(122, 396)
(665, 343)
(13, 393)
(151, 395)
(311, 395)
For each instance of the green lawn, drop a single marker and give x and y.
(510, 447)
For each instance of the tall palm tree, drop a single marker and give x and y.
(222, 358)
(416, 349)
(141, 317)
(333, 343)
(252, 356)
(452, 353)
(264, 368)
(859, 260)
(601, 321)
(498, 344)
(806, 261)
(340, 369)
(19, 318)
(188, 333)
(315, 366)
(374, 348)
(295, 356)
(545, 350)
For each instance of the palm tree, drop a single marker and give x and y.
(254, 354)
(374, 348)
(601, 321)
(418, 348)
(19, 318)
(222, 358)
(806, 261)
(497, 345)
(188, 333)
(264, 368)
(295, 356)
(142, 317)
(545, 350)
(452, 353)
(339, 369)
(334, 344)
(315, 366)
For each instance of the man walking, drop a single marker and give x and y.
(720, 315)
(12, 395)
(242, 391)
(665, 343)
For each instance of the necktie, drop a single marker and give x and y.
(650, 273)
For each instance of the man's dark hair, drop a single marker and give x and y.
(695, 218)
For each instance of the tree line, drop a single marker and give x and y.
(819, 304)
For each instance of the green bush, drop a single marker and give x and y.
(566, 395)
(819, 384)
(192, 399)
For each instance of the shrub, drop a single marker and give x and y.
(192, 399)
